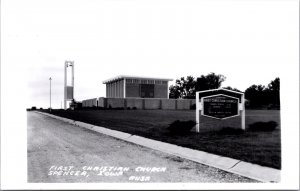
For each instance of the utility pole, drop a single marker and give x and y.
(50, 92)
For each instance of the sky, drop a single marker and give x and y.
(249, 42)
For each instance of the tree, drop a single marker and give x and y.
(273, 92)
(186, 87)
(274, 85)
(189, 87)
(210, 81)
(260, 96)
(256, 95)
(175, 92)
(233, 89)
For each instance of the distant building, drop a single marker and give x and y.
(136, 87)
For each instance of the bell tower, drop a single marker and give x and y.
(68, 89)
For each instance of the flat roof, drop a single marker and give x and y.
(120, 77)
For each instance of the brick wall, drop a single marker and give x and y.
(152, 103)
(161, 91)
(134, 102)
(168, 104)
(101, 102)
(115, 102)
(140, 103)
(89, 102)
(132, 90)
(183, 104)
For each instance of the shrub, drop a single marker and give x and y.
(193, 106)
(33, 108)
(41, 108)
(134, 108)
(181, 127)
(230, 131)
(263, 126)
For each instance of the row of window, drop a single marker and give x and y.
(137, 81)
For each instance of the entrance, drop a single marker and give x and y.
(147, 90)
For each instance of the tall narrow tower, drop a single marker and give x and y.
(68, 90)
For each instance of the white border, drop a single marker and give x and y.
(221, 89)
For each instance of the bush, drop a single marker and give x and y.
(193, 106)
(134, 108)
(230, 131)
(263, 126)
(33, 108)
(181, 127)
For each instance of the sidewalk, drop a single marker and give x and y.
(253, 171)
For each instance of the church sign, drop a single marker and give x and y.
(220, 106)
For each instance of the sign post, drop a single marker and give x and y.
(242, 109)
(197, 113)
(220, 104)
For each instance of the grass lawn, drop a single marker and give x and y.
(262, 148)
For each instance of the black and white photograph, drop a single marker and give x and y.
(149, 94)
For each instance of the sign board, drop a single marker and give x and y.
(220, 106)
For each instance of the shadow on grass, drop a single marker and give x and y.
(263, 126)
(181, 127)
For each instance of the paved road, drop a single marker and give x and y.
(61, 152)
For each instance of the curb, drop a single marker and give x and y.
(249, 170)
